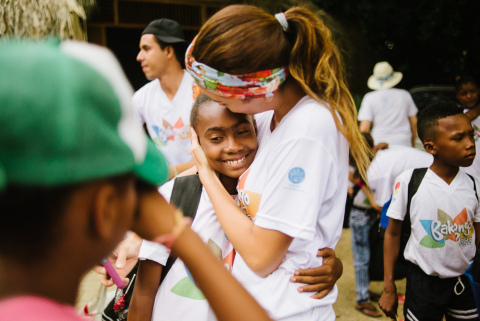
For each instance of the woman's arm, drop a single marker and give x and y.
(144, 291)
(262, 249)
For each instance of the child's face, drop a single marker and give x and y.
(467, 95)
(228, 139)
(454, 142)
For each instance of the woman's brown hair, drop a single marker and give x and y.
(241, 39)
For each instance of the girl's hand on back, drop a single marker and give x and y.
(321, 279)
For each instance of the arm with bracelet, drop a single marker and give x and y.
(160, 222)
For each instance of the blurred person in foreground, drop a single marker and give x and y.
(69, 194)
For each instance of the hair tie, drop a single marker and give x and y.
(282, 20)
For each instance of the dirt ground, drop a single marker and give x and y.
(344, 307)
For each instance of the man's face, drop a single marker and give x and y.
(151, 57)
(454, 141)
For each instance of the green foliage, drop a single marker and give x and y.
(430, 41)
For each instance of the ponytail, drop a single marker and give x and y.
(316, 65)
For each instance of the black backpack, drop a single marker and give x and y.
(186, 194)
(377, 233)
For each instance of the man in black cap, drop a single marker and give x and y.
(164, 104)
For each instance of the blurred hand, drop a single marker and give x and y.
(123, 259)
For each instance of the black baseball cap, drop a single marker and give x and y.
(166, 30)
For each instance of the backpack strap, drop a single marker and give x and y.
(474, 185)
(417, 177)
(186, 194)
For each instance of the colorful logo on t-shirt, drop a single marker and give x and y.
(296, 175)
(187, 288)
(397, 187)
(477, 131)
(247, 200)
(171, 133)
(445, 228)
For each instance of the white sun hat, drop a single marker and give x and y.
(383, 76)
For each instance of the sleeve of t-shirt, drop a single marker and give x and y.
(398, 206)
(153, 251)
(138, 108)
(476, 215)
(412, 108)
(301, 172)
(365, 112)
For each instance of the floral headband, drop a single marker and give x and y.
(252, 85)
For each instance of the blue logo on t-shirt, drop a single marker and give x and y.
(296, 175)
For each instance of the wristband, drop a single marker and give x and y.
(175, 170)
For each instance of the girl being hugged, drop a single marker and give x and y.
(286, 71)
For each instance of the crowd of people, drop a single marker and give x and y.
(256, 114)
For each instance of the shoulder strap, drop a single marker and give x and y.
(417, 177)
(474, 185)
(186, 194)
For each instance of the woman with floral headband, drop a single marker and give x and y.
(286, 70)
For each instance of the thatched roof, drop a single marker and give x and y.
(39, 18)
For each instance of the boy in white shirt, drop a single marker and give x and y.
(444, 214)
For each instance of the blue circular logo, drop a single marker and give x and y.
(296, 175)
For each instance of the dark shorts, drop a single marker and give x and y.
(431, 298)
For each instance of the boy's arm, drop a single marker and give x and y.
(145, 290)
(476, 226)
(321, 279)
(391, 246)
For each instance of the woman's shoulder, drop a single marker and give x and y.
(311, 116)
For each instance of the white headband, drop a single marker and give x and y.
(282, 20)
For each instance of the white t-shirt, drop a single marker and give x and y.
(361, 200)
(168, 122)
(474, 169)
(389, 110)
(178, 298)
(442, 242)
(388, 164)
(297, 185)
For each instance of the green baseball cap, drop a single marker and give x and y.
(66, 117)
